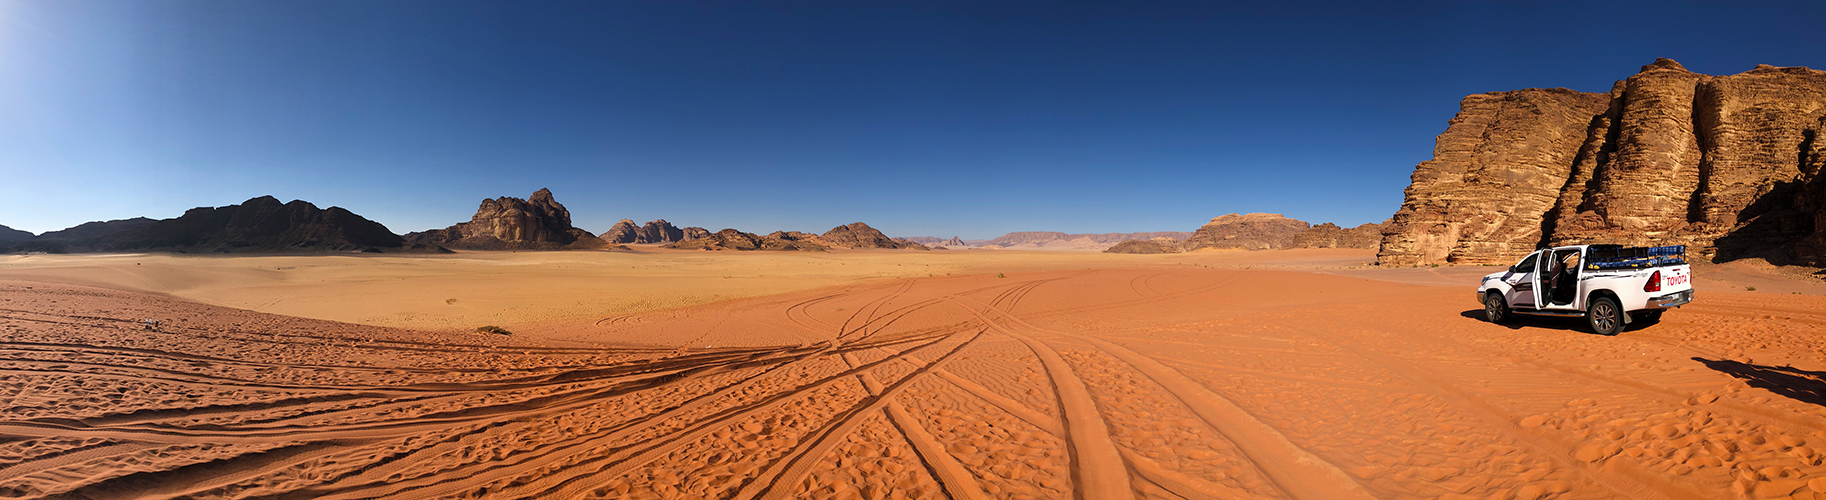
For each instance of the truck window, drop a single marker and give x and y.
(1527, 264)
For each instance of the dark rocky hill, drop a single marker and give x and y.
(8, 234)
(260, 224)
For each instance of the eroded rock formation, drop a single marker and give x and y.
(1329, 235)
(860, 235)
(731, 239)
(1246, 232)
(1723, 164)
(954, 242)
(622, 232)
(1154, 246)
(508, 223)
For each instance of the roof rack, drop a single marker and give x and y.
(1621, 257)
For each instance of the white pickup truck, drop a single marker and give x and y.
(1610, 285)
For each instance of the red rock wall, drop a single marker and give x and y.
(1722, 164)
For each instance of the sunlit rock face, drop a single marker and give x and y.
(1728, 165)
(508, 223)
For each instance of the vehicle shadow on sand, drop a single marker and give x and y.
(1800, 385)
(1521, 321)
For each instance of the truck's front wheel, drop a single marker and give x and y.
(1606, 317)
(1495, 309)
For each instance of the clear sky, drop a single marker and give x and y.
(921, 118)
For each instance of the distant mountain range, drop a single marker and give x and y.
(1258, 232)
(539, 222)
(260, 224)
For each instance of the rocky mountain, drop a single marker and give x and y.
(508, 223)
(622, 232)
(1329, 235)
(660, 231)
(1246, 232)
(954, 242)
(860, 235)
(1728, 165)
(260, 224)
(730, 239)
(1154, 246)
(9, 234)
(694, 232)
(923, 240)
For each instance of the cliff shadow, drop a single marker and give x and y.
(1794, 383)
(1774, 226)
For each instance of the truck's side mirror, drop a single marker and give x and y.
(1512, 269)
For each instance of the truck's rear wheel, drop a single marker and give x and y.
(1495, 309)
(1606, 318)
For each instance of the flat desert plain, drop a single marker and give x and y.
(979, 374)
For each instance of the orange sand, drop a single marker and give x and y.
(1209, 375)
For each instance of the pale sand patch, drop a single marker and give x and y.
(468, 289)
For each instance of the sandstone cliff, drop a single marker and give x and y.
(954, 242)
(508, 223)
(1723, 164)
(1246, 232)
(260, 224)
(1498, 167)
(694, 232)
(1329, 235)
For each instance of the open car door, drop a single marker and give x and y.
(1543, 274)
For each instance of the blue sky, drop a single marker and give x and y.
(921, 118)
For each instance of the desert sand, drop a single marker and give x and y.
(1279, 374)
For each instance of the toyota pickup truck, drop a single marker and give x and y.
(1609, 285)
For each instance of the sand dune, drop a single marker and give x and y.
(1157, 379)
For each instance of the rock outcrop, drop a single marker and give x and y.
(1499, 165)
(8, 234)
(508, 223)
(923, 240)
(660, 231)
(260, 224)
(954, 242)
(1154, 246)
(860, 235)
(1245, 232)
(1723, 164)
(694, 232)
(731, 239)
(1329, 235)
(622, 232)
